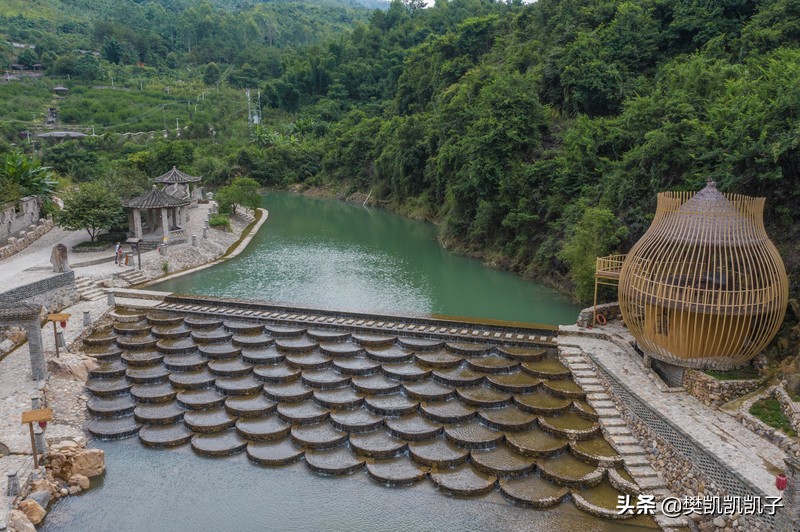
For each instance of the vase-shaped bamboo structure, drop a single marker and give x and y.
(704, 287)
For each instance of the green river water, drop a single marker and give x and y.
(322, 253)
(328, 254)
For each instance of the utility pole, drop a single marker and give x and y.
(249, 111)
(258, 111)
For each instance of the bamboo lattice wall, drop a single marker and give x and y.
(704, 287)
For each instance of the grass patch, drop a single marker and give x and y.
(769, 411)
(740, 374)
(220, 221)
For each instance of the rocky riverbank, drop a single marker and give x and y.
(68, 470)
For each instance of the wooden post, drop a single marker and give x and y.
(33, 416)
(594, 313)
(33, 447)
(54, 318)
(55, 339)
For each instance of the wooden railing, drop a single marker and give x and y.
(609, 266)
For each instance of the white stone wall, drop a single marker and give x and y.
(17, 218)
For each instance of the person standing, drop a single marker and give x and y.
(117, 248)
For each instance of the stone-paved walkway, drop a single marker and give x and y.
(740, 450)
(16, 386)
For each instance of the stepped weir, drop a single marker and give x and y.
(470, 406)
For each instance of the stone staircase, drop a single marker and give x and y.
(88, 289)
(134, 277)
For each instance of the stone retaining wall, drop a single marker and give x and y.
(25, 238)
(53, 293)
(611, 311)
(713, 392)
(245, 213)
(786, 443)
(791, 409)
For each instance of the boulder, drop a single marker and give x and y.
(20, 522)
(59, 259)
(71, 369)
(17, 336)
(32, 510)
(79, 480)
(63, 445)
(42, 496)
(88, 462)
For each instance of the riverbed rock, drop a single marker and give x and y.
(32, 510)
(81, 481)
(41, 496)
(89, 462)
(75, 369)
(719, 522)
(20, 522)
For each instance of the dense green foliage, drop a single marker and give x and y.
(537, 134)
(91, 207)
(22, 176)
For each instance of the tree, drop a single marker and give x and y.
(88, 68)
(211, 75)
(27, 57)
(596, 234)
(92, 207)
(242, 191)
(112, 50)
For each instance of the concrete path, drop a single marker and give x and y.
(38, 253)
(739, 449)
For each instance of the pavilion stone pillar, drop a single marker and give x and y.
(36, 349)
(137, 223)
(165, 223)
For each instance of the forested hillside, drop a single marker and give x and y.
(537, 134)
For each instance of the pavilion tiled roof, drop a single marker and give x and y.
(176, 176)
(155, 199)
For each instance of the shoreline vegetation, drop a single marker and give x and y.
(535, 135)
